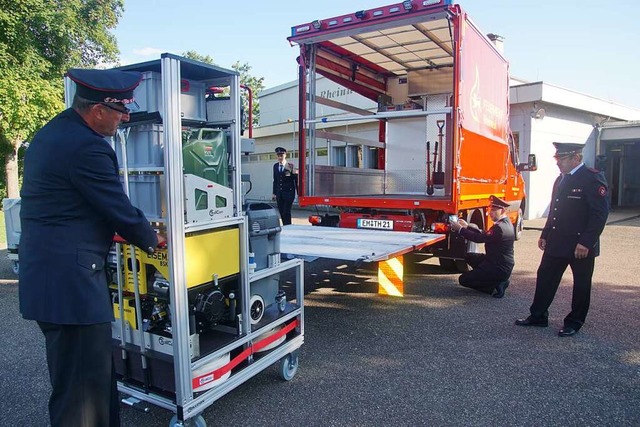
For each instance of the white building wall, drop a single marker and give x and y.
(279, 104)
(558, 125)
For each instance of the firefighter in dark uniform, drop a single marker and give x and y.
(72, 204)
(577, 216)
(491, 271)
(285, 185)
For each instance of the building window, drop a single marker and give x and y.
(354, 156)
(339, 155)
(371, 158)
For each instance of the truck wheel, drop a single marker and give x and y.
(461, 266)
(447, 263)
(288, 366)
(517, 227)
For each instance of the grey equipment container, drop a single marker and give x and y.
(148, 95)
(11, 208)
(145, 147)
(146, 192)
(264, 233)
(264, 242)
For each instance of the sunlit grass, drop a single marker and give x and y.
(3, 231)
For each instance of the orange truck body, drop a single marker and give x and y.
(436, 77)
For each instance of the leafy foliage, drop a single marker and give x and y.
(49, 36)
(256, 84)
(39, 41)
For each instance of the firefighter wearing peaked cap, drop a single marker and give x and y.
(72, 204)
(285, 185)
(491, 270)
(570, 238)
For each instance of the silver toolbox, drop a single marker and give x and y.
(145, 147)
(219, 109)
(149, 96)
(146, 192)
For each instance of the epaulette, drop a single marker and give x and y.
(593, 170)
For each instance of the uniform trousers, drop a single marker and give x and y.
(84, 391)
(549, 276)
(484, 276)
(285, 202)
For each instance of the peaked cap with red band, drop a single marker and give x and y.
(113, 86)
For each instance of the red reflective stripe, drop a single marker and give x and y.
(223, 370)
(270, 339)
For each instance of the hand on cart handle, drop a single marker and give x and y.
(162, 240)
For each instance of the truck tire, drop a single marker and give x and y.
(461, 266)
(455, 265)
(517, 227)
(447, 263)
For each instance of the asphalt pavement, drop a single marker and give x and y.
(442, 355)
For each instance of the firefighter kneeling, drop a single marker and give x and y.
(491, 271)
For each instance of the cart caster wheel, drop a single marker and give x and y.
(191, 422)
(281, 300)
(288, 366)
(15, 267)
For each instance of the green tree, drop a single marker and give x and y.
(256, 84)
(39, 41)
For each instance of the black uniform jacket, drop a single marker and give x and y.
(285, 181)
(72, 203)
(577, 214)
(498, 243)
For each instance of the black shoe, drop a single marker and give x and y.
(500, 289)
(531, 322)
(567, 331)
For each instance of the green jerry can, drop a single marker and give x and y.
(204, 154)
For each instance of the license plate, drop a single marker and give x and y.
(380, 224)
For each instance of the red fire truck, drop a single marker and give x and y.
(443, 143)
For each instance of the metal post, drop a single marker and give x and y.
(311, 121)
(170, 68)
(236, 132)
(122, 135)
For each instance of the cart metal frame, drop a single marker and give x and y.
(188, 404)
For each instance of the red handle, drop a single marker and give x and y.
(119, 239)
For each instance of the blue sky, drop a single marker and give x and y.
(593, 48)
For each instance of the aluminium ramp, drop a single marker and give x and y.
(385, 247)
(351, 244)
